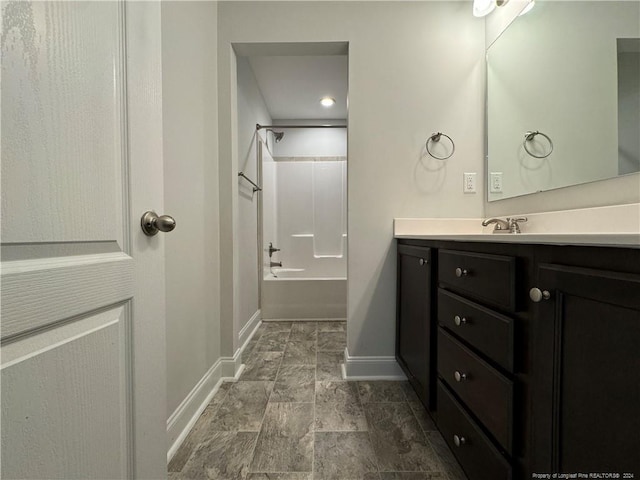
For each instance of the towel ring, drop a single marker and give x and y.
(529, 136)
(436, 138)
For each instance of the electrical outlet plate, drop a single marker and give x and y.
(469, 185)
(495, 185)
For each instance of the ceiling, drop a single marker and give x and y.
(292, 86)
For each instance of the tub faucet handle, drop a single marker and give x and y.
(272, 250)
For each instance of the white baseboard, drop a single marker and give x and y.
(371, 368)
(185, 416)
(249, 329)
(226, 369)
(232, 366)
(322, 319)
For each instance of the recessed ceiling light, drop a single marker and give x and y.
(327, 102)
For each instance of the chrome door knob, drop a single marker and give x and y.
(423, 261)
(151, 223)
(458, 441)
(459, 376)
(537, 295)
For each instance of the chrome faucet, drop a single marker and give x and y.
(500, 224)
(511, 224)
(272, 250)
(275, 264)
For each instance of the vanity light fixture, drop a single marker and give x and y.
(483, 7)
(327, 102)
(528, 8)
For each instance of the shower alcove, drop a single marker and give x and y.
(304, 179)
(292, 197)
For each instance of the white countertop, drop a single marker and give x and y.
(594, 239)
(616, 226)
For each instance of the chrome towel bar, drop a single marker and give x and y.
(530, 136)
(256, 187)
(260, 127)
(434, 138)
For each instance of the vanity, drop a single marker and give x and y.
(525, 349)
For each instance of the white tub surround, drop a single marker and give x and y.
(305, 215)
(617, 225)
(304, 298)
(305, 220)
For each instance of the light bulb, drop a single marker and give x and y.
(327, 102)
(483, 7)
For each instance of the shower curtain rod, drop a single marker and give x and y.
(259, 127)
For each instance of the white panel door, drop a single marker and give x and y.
(83, 348)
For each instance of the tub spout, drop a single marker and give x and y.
(275, 264)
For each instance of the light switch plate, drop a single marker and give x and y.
(469, 185)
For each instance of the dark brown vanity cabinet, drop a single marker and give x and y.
(587, 370)
(475, 452)
(488, 278)
(535, 353)
(475, 359)
(415, 343)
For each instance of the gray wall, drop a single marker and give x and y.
(251, 110)
(189, 108)
(414, 68)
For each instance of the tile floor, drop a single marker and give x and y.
(292, 417)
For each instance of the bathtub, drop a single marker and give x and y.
(289, 293)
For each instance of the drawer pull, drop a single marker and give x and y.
(458, 320)
(537, 295)
(459, 376)
(461, 272)
(423, 261)
(459, 441)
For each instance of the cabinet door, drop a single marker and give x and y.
(414, 337)
(587, 364)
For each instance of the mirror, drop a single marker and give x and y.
(570, 71)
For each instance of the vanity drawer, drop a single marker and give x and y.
(485, 391)
(491, 278)
(488, 331)
(479, 458)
